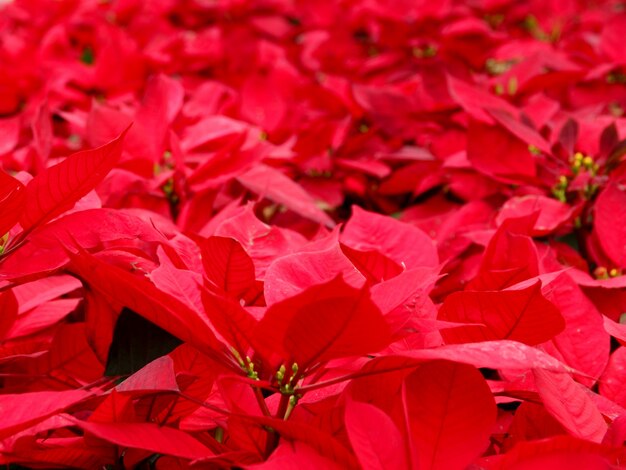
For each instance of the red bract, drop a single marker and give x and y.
(336, 234)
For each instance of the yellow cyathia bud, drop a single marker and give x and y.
(614, 272)
(578, 157)
(280, 373)
(588, 162)
(601, 273)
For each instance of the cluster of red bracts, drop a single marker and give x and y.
(285, 234)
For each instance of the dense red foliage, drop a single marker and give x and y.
(285, 234)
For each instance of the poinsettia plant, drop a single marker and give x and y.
(276, 234)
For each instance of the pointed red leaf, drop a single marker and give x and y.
(25, 409)
(375, 266)
(12, 197)
(501, 354)
(403, 243)
(375, 438)
(148, 436)
(296, 456)
(558, 453)
(496, 152)
(69, 359)
(291, 274)
(522, 315)
(583, 344)
(158, 375)
(324, 322)
(450, 414)
(90, 228)
(609, 207)
(8, 312)
(522, 131)
(99, 323)
(141, 296)
(613, 380)
(230, 320)
(59, 187)
(510, 257)
(227, 265)
(274, 185)
(182, 284)
(552, 213)
(475, 101)
(570, 404)
(324, 444)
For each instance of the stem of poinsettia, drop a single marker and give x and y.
(261, 401)
(282, 406)
(272, 436)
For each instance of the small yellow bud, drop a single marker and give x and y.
(587, 162)
(614, 272)
(280, 373)
(601, 273)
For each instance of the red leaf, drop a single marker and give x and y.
(375, 266)
(69, 359)
(613, 380)
(324, 322)
(475, 101)
(521, 315)
(403, 243)
(374, 437)
(25, 409)
(274, 185)
(557, 453)
(523, 132)
(10, 131)
(41, 317)
(42, 132)
(569, 403)
(300, 432)
(12, 197)
(510, 257)
(584, 344)
(8, 309)
(609, 207)
(158, 375)
(296, 456)
(90, 229)
(612, 38)
(230, 320)
(162, 100)
(59, 187)
(501, 354)
(99, 323)
(138, 294)
(182, 284)
(291, 274)
(499, 154)
(532, 421)
(148, 436)
(450, 413)
(227, 265)
(552, 213)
